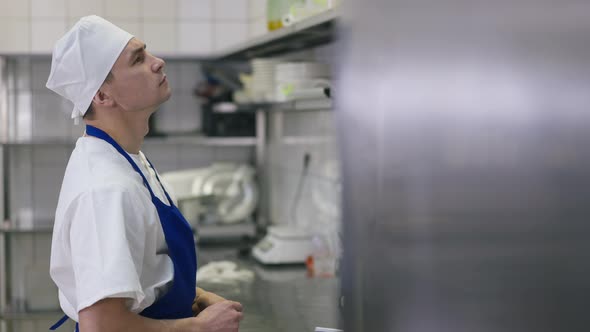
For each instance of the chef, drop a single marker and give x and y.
(122, 255)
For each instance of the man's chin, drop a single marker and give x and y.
(167, 95)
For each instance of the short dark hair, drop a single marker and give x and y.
(90, 109)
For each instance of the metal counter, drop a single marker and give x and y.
(278, 298)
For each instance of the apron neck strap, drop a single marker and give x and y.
(93, 131)
(160, 182)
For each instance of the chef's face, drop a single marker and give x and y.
(139, 82)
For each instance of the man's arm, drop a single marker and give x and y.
(113, 315)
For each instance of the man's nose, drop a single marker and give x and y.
(158, 65)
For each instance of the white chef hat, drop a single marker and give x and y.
(83, 58)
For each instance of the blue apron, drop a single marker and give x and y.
(177, 302)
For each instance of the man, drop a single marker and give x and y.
(122, 255)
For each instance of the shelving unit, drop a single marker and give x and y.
(186, 140)
(292, 105)
(311, 32)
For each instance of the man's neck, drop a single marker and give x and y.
(127, 129)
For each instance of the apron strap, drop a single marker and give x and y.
(93, 131)
(160, 182)
(60, 323)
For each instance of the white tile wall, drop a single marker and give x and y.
(194, 38)
(45, 32)
(15, 35)
(131, 25)
(228, 34)
(48, 9)
(79, 8)
(128, 9)
(159, 36)
(231, 10)
(186, 27)
(257, 9)
(165, 10)
(195, 9)
(15, 9)
(257, 27)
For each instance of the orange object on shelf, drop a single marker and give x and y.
(310, 267)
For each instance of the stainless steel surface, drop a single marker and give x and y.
(3, 273)
(313, 31)
(3, 190)
(464, 131)
(278, 299)
(262, 219)
(3, 99)
(208, 141)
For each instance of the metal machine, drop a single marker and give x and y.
(221, 195)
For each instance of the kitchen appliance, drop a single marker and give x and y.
(284, 245)
(221, 194)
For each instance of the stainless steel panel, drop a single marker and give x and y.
(464, 131)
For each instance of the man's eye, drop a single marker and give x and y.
(138, 60)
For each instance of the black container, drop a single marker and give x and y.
(239, 124)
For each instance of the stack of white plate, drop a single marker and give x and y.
(263, 79)
(291, 77)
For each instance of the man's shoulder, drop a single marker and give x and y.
(95, 166)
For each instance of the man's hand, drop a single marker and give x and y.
(205, 299)
(224, 316)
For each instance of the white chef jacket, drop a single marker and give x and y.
(107, 239)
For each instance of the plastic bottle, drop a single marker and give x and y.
(324, 258)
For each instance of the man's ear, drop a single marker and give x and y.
(102, 98)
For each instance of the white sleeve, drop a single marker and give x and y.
(108, 236)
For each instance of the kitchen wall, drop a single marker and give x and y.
(170, 27)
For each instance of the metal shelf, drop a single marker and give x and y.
(28, 316)
(304, 105)
(313, 31)
(201, 140)
(26, 230)
(37, 142)
(186, 140)
(324, 104)
(247, 228)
